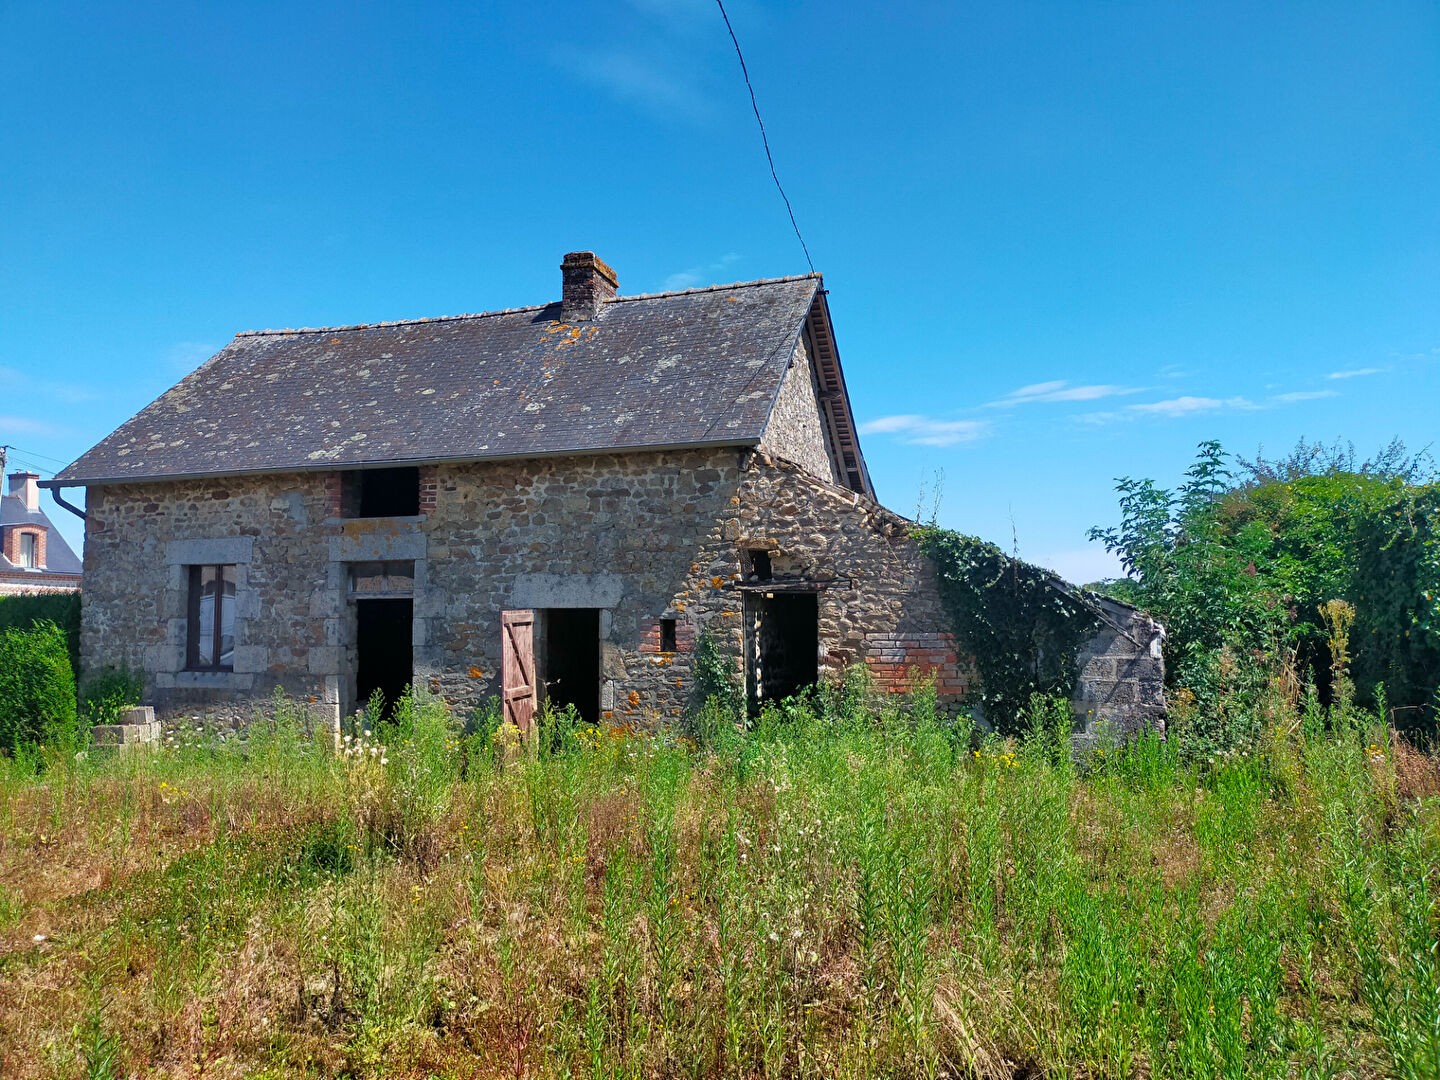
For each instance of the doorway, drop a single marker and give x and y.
(384, 649)
(571, 660)
(782, 645)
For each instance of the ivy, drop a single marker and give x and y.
(1023, 624)
(1397, 587)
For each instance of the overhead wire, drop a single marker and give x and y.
(765, 139)
(42, 457)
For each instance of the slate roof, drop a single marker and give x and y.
(691, 368)
(59, 558)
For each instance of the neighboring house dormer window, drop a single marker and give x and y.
(210, 621)
(29, 551)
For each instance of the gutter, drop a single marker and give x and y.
(748, 443)
(55, 487)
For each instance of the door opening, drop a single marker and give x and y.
(571, 662)
(782, 645)
(384, 653)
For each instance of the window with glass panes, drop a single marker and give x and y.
(210, 638)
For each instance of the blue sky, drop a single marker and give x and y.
(1063, 242)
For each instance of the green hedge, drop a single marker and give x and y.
(37, 687)
(62, 609)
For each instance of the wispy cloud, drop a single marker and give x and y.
(685, 15)
(1356, 373)
(657, 87)
(926, 431)
(185, 356)
(1194, 405)
(700, 275)
(17, 382)
(26, 425)
(1187, 405)
(1061, 390)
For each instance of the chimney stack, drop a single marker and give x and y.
(588, 283)
(27, 486)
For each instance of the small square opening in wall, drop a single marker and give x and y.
(667, 635)
(368, 493)
(760, 564)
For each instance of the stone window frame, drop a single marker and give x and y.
(168, 661)
(193, 598)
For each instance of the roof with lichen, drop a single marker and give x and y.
(700, 367)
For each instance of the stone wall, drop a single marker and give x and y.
(650, 537)
(641, 537)
(1120, 686)
(139, 539)
(797, 430)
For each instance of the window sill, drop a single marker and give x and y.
(221, 679)
(398, 519)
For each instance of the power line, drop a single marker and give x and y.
(763, 137)
(42, 457)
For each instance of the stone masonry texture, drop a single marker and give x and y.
(645, 537)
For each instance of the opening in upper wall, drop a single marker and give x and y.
(368, 493)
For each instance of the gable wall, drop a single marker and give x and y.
(797, 430)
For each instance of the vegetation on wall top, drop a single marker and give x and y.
(1023, 624)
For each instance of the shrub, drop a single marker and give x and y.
(37, 687)
(63, 609)
(715, 675)
(104, 696)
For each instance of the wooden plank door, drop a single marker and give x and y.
(517, 667)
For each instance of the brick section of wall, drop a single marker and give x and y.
(429, 488)
(650, 636)
(334, 487)
(897, 663)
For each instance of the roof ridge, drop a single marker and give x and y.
(519, 310)
(714, 288)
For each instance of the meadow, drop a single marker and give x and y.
(849, 889)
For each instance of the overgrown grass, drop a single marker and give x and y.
(840, 892)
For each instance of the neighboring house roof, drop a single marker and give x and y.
(692, 368)
(59, 558)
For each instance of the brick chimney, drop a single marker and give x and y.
(27, 486)
(588, 283)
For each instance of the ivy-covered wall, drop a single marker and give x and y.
(1032, 633)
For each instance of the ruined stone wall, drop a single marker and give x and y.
(1120, 686)
(797, 431)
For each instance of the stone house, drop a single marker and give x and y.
(547, 502)
(34, 557)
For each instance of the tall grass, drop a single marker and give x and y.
(845, 890)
